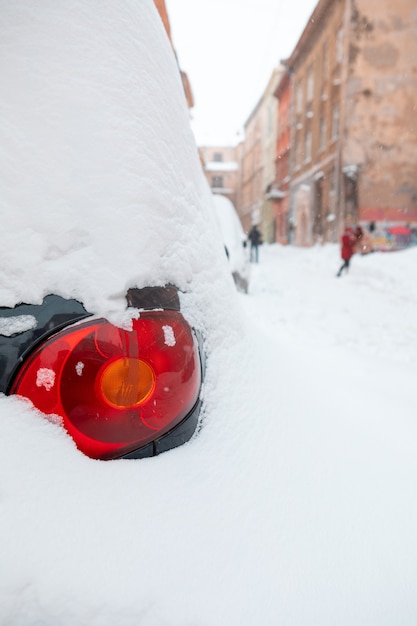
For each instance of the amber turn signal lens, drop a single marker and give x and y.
(127, 383)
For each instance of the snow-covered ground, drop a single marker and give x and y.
(294, 505)
(372, 310)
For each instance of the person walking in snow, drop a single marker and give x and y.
(255, 239)
(347, 249)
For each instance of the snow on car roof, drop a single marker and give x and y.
(102, 187)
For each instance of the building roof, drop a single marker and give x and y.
(314, 24)
(283, 84)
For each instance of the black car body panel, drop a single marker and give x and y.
(53, 314)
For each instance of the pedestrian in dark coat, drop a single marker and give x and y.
(255, 239)
(347, 250)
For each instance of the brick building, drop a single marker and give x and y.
(269, 107)
(221, 168)
(353, 127)
(251, 165)
(279, 192)
(257, 162)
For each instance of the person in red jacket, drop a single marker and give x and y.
(347, 250)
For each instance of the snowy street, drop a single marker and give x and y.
(295, 504)
(371, 311)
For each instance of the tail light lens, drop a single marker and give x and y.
(116, 390)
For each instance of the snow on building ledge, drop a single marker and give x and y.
(351, 171)
(220, 166)
(222, 190)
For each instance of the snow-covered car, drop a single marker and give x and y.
(100, 323)
(234, 239)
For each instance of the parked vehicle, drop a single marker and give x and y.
(96, 242)
(235, 241)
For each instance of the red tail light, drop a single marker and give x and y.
(116, 390)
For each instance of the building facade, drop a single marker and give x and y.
(221, 168)
(353, 136)
(257, 162)
(251, 168)
(269, 108)
(379, 157)
(279, 192)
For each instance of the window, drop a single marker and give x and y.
(307, 146)
(299, 98)
(270, 113)
(285, 119)
(282, 122)
(339, 46)
(325, 60)
(217, 181)
(297, 153)
(333, 180)
(310, 84)
(335, 121)
(218, 157)
(322, 133)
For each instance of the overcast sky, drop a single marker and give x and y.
(229, 48)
